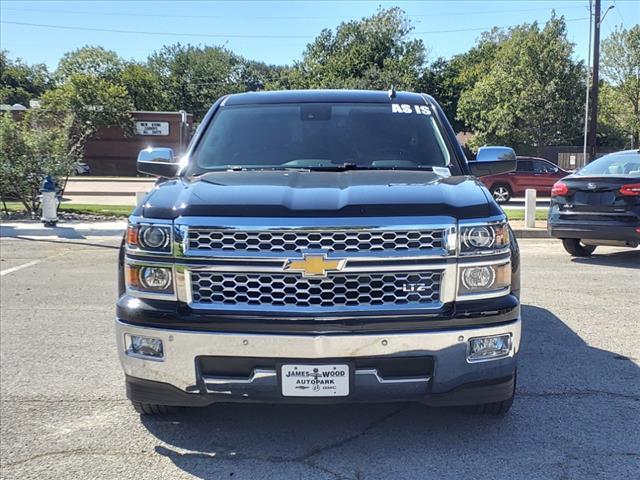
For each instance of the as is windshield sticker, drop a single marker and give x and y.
(415, 109)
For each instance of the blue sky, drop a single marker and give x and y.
(270, 31)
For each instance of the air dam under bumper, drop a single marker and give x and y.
(453, 380)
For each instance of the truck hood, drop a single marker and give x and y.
(320, 194)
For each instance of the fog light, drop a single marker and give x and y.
(144, 346)
(489, 348)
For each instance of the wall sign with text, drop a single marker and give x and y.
(152, 128)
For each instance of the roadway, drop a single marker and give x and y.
(65, 416)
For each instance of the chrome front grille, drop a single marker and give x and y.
(226, 289)
(355, 240)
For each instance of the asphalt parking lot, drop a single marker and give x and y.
(64, 414)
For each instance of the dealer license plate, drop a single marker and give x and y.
(315, 380)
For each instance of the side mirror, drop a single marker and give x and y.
(493, 161)
(158, 161)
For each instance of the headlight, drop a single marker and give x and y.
(155, 278)
(483, 280)
(150, 279)
(483, 238)
(478, 278)
(152, 238)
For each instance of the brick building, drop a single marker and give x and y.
(113, 154)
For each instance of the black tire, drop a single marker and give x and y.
(576, 248)
(494, 408)
(501, 192)
(151, 409)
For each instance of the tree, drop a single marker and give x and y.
(92, 61)
(373, 53)
(621, 67)
(91, 104)
(447, 79)
(254, 76)
(613, 118)
(20, 82)
(195, 77)
(32, 148)
(531, 96)
(144, 86)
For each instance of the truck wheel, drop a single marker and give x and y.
(576, 248)
(152, 409)
(496, 408)
(501, 193)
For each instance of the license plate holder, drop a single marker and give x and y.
(315, 380)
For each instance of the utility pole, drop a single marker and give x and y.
(588, 87)
(593, 130)
(593, 126)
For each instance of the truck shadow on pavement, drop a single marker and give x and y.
(621, 259)
(573, 417)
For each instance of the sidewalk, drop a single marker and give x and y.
(540, 231)
(106, 190)
(67, 230)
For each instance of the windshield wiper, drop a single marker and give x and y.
(352, 166)
(238, 168)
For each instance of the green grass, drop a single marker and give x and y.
(107, 210)
(519, 214)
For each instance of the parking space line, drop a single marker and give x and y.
(19, 267)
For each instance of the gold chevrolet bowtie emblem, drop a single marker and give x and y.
(314, 265)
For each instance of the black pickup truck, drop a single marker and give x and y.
(320, 246)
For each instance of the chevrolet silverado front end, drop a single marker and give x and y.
(320, 246)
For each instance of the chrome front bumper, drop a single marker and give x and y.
(448, 348)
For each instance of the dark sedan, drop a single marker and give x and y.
(598, 205)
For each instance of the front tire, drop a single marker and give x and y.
(494, 408)
(151, 409)
(501, 193)
(576, 248)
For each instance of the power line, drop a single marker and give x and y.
(619, 14)
(236, 35)
(142, 32)
(267, 17)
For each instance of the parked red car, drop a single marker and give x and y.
(530, 172)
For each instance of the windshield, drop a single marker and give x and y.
(321, 135)
(625, 164)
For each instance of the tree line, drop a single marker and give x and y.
(519, 86)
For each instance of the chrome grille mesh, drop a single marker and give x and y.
(329, 240)
(336, 290)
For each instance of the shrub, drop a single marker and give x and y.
(31, 148)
